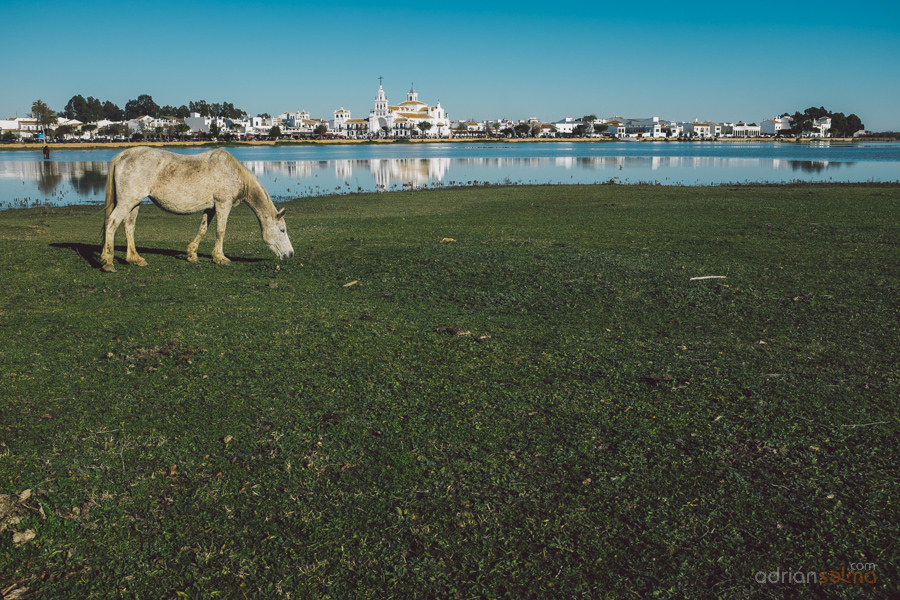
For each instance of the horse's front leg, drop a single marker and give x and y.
(131, 255)
(218, 254)
(204, 223)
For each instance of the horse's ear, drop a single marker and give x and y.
(280, 213)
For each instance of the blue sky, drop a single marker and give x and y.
(676, 60)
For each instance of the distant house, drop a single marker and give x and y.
(24, 127)
(202, 124)
(344, 124)
(820, 128)
(651, 127)
(740, 130)
(566, 126)
(776, 126)
(699, 130)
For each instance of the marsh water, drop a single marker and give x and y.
(79, 176)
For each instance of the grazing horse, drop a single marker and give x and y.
(212, 182)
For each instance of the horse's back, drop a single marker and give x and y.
(176, 183)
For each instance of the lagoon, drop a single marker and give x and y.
(79, 176)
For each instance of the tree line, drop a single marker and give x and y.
(841, 125)
(90, 109)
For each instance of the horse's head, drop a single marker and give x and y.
(275, 235)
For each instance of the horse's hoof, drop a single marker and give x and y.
(139, 263)
(221, 261)
(108, 268)
(192, 258)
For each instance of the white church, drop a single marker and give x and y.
(407, 119)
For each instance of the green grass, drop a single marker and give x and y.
(610, 428)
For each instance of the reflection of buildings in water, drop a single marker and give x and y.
(87, 177)
(288, 168)
(807, 166)
(413, 172)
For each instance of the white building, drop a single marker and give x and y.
(24, 127)
(343, 124)
(776, 126)
(820, 128)
(740, 130)
(651, 127)
(566, 126)
(403, 120)
(202, 124)
(699, 129)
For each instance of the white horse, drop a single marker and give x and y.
(212, 182)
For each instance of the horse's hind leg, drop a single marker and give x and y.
(204, 223)
(110, 225)
(132, 256)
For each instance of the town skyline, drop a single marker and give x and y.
(680, 62)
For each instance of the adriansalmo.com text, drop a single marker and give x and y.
(857, 573)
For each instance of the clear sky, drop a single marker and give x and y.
(720, 61)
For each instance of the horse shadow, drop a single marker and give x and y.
(90, 253)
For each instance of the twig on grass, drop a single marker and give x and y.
(865, 424)
(709, 277)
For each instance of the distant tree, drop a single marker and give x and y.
(845, 126)
(86, 111)
(230, 112)
(275, 132)
(74, 107)
(144, 105)
(182, 128)
(854, 124)
(424, 126)
(264, 116)
(112, 112)
(44, 115)
(600, 127)
(579, 130)
(63, 131)
(89, 128)
(214, 129)
(115, 130)
(201, 108)
(522, 129)
(841, 125)
(321, 129)
(588, 121)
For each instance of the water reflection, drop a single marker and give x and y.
(34, 182)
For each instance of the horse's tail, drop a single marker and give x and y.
(110, 193)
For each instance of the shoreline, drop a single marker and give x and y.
(54, 146)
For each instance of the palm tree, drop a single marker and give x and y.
(44, 115)
(182, 128)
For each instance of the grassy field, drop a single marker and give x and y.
(466, 393)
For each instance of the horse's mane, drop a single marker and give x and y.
(250, 185)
